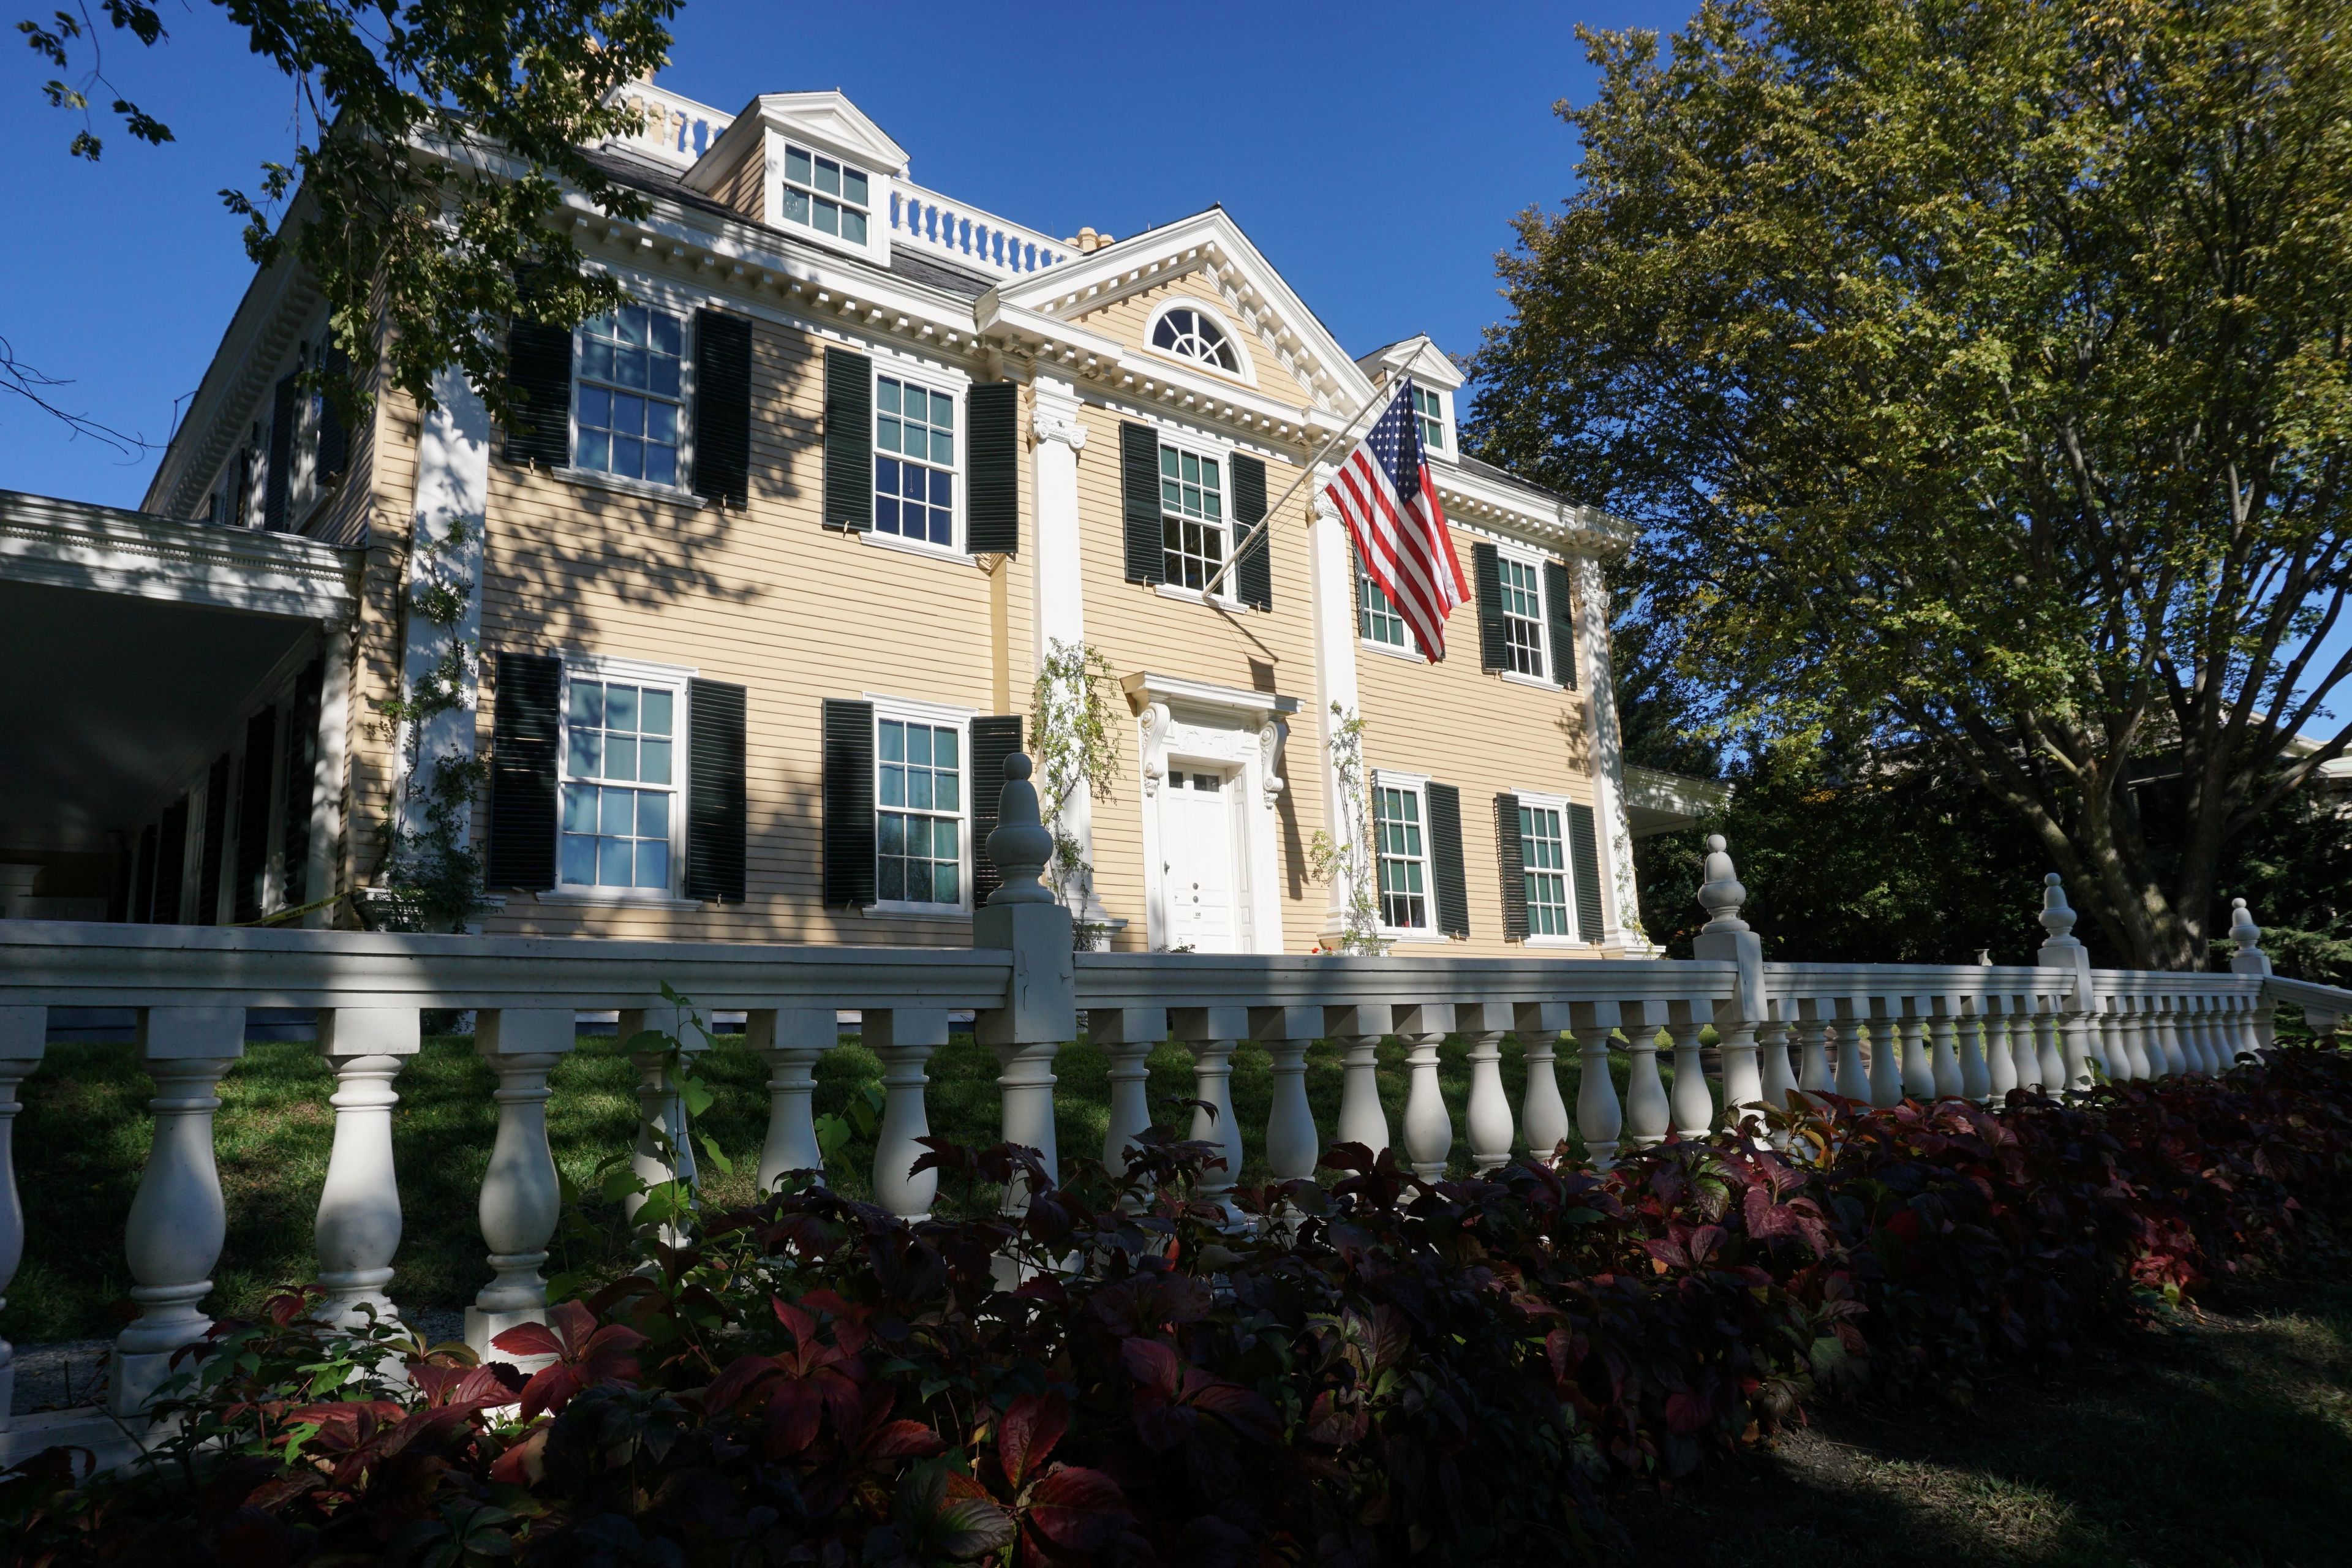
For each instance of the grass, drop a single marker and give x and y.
(82, 1140)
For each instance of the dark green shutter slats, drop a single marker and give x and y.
(1510, 862)
(723, 408)
(848, 791)
(171, 861)
(301, 782)
(1451, 890)
(334, 441)
(1584, 854)
(525, 728)
(848, 442)
(142, 880)
(1139, 483)
(994, 737)
(993, 500)
(278, 482)
(1253, 571)
(715, 813)
(539, 377)
(1486, 581)
(253, 816)
(212, 862)
(1563, 616)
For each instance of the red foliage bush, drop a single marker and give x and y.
(1382, 1370)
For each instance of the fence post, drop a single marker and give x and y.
(2061, 950)
(2250, 959)
(358, 1229)
(1025, 919)
(1728, 939)
(23, 1035)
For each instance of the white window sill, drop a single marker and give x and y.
(887, 909)
(1558, 943)
(1413, 935)
(1536, 681)
(875, 536)
(1411, 655)
(618, 898)
(1194, 597)
(621, 485)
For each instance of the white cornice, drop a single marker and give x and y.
(74, 544)
(1146, 687)
(276, 304)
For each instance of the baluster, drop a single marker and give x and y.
(1815, 1076)
(2203, 1028)
(2139, 1040)
(1943, 1065)
(522, 1197)
(791, 1039)
(2022, 1043)
(23, 1035)
(1854, 1081)
(1212, 1033)
(358, 1229)
(2249, 1030)
(1694, 1107)
(1359, 1031)
(1885, 1053)
(2107, 1040)
(2122, 1066)
(2050, 1046)
(1648, 1114)
(1543, 1115)
(2216, 1019)
(1292, 1143)
(2167, 1037)
(904, 1040)
(1127, 1035)
(1780, 1080)
(1976, 1072)
(1999, 1050)
(664, 1151)
(1918, 1069)
(1428, 1129)
(1487, 1118)
(178, 1219)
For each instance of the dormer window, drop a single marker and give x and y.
(826, 195)
(1430, 408)
(1189, 334)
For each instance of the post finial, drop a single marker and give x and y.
(1721, 895)
(2242, 929)
(2057, 914)
(1020, 846)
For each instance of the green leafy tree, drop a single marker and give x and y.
(1979, 375)
(433, 138)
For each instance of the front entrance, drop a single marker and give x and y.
(1199, 870)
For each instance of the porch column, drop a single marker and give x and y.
(1621, 925)
(1336, 697)
(326, 773)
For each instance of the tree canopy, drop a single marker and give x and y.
(1978, 374)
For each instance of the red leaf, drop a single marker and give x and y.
(1079, 1509)
(523, 1464)
(743, 1375)
(1028, 1433)
(1243, 1410)
(550, 1388)
(905, 1440)
(1150, 1363)
(1687, 1413)
(530, 1339)
(794, 1412)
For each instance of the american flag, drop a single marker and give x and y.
(1384, 492)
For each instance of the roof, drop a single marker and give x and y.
(1477, 465)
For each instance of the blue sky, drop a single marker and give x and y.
(1375, 153)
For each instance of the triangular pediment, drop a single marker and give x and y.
(827, 121)
(1418, 357)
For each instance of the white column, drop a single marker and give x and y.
(1486, 1120)
(23, 1034)
(178, 1219)
(904, 1039)
(792, 1039)
(358, 1230)
(1060, 607)
(1357, 1031)
(521, 1197)
(1127, 1035)
(1428, 1129)
(323, 868)
(1292, 1145)
(1620, 924)
(453, 482)
(1543, 1115)
(1335, 683)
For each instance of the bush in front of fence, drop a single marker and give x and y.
(1382, 1370)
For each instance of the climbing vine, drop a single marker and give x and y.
(1071, 740)
(1347, 866)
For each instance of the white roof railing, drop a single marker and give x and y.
(933, 224)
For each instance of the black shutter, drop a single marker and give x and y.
(723, 408)
(994, 739)
(848, 802)
(171, 861)
(142, 880)
(1253, 571)
(539, 379)
(1563, 616)
(334, 440)
(524, 732)
(214, 850)
(1451, 890)
(1139, 483)
(848, 444)
(301, 782)
(993, 503)
(1584, 858)
(253, 816)
(281, 456)
(1510, 862)
(1486, 578)
(715, 814)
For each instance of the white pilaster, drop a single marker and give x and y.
(1335, 695)
(453, 479)
(1622, 926)
(1061, 601)
(325, 850)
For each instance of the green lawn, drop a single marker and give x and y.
(83, 1135)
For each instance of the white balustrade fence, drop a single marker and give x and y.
(941, 226)
(1871, 1032)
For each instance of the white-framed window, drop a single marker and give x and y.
(1401, 852)
(921, 809)
(623, 771)
(1543, 858)
(1192, 537)
(1190, 332)
(1377, 620)
(628, 402)
(1429, 408)
(1523, 616)
(915, 457)
(826, 195)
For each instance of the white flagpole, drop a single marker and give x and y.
(1265, 524)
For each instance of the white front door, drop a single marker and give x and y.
(1197, 862)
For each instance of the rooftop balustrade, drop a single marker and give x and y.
(1871, 1032)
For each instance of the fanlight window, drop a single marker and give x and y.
(1187, 332)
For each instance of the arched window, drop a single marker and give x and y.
(1187, 334)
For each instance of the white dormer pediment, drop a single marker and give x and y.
(823, 121)
(1418, 357)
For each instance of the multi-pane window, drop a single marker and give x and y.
(620, 785)
(1403, 861)
(1189, 334)
(913, 461)
(1376, 615)
(1543, 852)
(1523, 616)
(918, 824)
(627, 413)
(1191, 517)
(1430, 408)
(825, 194)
